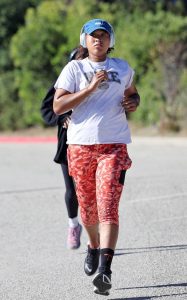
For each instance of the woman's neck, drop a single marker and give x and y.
(97, 58)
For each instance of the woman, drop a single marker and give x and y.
(51, 119)
(97, 89)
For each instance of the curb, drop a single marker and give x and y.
(27, 139)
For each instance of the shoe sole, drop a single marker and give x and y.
(106, 293)
(101, 287)
(75, 247)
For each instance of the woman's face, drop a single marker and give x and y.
(98, 42)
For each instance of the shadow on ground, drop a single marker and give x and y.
(127, 251)
(153, 286)
(149, 297)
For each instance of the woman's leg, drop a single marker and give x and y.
(110, 177)
(70, 194)
(74, 230)
(82, 165)
(109, 185)
(108, 235)
(93, 235)
(85, 188)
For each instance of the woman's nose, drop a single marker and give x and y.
(98, 38)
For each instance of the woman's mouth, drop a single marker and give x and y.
(98, 45)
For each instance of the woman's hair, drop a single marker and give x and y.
(78, 53)
(81, 53)
(110, 49)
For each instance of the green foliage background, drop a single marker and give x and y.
(37, 36)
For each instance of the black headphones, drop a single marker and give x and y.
(73, 54)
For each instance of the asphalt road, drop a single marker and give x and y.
(151, 256)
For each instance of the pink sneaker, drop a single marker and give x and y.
(73, 240)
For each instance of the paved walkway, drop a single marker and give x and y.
(151, 255)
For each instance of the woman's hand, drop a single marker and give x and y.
(131, 99)
(130, 103)
(99, 76)
(66, 122)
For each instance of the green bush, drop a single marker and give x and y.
(148, 35)
(11, 108)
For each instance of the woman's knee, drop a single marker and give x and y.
(89, 214)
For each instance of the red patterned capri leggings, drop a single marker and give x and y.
(99, 173)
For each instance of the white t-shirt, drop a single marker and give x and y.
(100, 118)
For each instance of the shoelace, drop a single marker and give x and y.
(91, 255)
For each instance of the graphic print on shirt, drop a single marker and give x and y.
(113, 76)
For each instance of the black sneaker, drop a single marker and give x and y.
(91, 261)
(102, 284)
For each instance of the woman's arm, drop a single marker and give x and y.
(65, 101)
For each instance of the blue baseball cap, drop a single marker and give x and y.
(93, 25)
(96, 24)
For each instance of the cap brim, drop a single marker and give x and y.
(98, 28)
